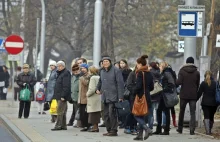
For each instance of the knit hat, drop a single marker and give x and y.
(107, 58)
(53, 63)
(75, 67)
(190, 60)
(61, 63)
(84, 66)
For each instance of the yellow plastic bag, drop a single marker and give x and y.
(53, 107)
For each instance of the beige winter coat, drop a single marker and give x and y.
(93, 99)
(83, 88)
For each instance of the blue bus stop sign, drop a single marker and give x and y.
(190, 21)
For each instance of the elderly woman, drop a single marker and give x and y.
(50, 86)
(93, 100)
(26, 79)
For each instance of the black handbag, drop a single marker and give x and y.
(46, 106)
(170, 99)
(123, 108)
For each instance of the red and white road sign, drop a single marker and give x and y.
(14, 44)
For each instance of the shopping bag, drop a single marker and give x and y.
(53, 107)
(77, 116)
(123, 108)
(25, 94)
(46, 106)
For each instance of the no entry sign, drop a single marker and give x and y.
(14, 44)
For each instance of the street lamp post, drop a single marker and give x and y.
(97, 33)
(42, 39)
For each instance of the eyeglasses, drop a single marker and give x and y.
(25, 67)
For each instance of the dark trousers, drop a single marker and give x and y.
(83, 115)
(192, 106)
(111, 120)
(24, 106)
(75, 107)
(16, 93)
(1, 93)
(163, 108)
(61, 114)
(173, 112)
(209, 112)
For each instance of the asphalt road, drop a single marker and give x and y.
(5, 135)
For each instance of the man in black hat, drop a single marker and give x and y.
(189, 79)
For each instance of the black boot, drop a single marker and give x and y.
(192, 131)
(139, 136)
(166, 132)
(207, 126)
(147, 132)
(158, 130)
(179, 130)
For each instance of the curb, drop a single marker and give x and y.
(204, 135)
(14, 130)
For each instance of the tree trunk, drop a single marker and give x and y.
(107, 28)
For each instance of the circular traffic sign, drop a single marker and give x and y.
(14, 44)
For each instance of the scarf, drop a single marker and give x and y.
(142, 69)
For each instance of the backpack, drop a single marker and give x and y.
(40, 96)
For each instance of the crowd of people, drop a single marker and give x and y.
(93, 93)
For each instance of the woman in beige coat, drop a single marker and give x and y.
(93, 100)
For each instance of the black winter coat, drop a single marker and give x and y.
(125, 74)
(29, 79)
(149, 86)
(3, 77)
(62, 87)
(208, 93)
(167, 80)
(131, 84)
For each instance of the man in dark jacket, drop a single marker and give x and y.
(111, 86)
(62, 93)
(189, 79)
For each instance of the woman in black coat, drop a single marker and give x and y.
(168, 85)
(144, 84)
(123, 65)
(131, 123)
(207, 89)
(4, 97)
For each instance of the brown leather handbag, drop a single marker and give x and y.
(140, 107)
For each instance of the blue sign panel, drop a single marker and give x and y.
(188, 23)
(2, 49)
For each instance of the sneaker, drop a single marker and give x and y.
(134, 132)
(127, 131)
(44, 113)
(39, 112)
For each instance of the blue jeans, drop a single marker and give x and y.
(141, 121)
(150, 118)
(163, 118)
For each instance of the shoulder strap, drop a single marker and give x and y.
(144, 83)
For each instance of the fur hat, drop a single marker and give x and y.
(61, 63)
(53, 63)
(107, 58)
